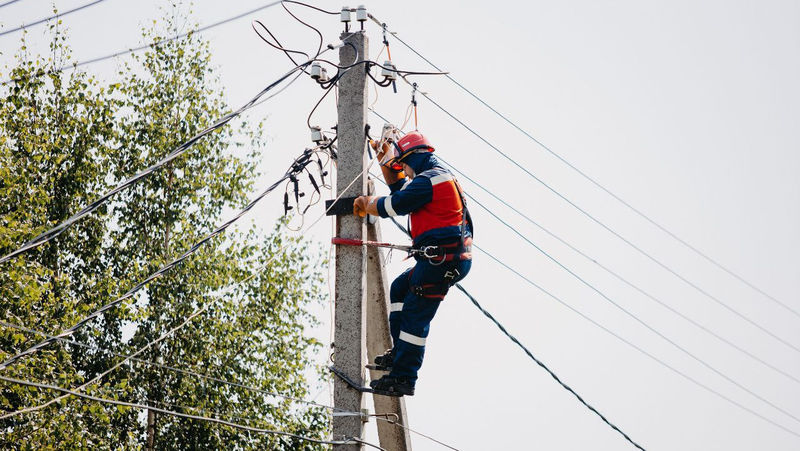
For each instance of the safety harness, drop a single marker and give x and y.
(448, 254)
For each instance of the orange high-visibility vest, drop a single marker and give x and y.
(445, 207)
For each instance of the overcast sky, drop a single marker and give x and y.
(687, 110)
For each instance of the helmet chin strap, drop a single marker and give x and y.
(409, 172)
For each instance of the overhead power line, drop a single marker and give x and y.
(182, 324)
(157, 42)
(595, 182)
(346, 441)
(530, 354)
(333, 13)
(544, 367)
(212, 378)
(605, 268)
(176, 369)
(8, 3)
(613, 273)
(624, 340)
(58, 15)
(221, 228)
(175, 153)
(615, 233)
(637, 347)
(643, 323)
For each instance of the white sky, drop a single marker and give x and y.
(687, 110)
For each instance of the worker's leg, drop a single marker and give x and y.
(418, 311)
(397, 295)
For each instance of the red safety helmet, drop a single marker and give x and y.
(409, 143)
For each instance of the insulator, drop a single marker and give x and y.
(316, 70)
(345, 15)
(323, 76)
(316, 134)
(387, 72)
(361, 13)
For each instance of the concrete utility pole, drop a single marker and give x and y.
(359, 301)
(350, 312)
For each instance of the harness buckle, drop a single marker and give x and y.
(450, 275)
(431, 252)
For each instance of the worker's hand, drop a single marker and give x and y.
(380, 153)
(360, 206)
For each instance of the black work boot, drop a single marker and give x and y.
(392, 386)
(384, 362)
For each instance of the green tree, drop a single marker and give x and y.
(56, 133)
(253, 334)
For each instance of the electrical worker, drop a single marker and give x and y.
(441, 227)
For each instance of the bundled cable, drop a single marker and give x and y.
(153, 44)
(297, 166)
(346, 441)
(175, 153)
(40, 21)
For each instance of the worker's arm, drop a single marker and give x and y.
(413, 196)
(389, 175)
(403, 201)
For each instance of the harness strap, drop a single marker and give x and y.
(440, 253)
(431, 290)
(465, 216)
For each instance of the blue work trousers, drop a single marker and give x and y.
(410, 315)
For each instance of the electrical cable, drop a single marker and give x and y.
(625, 341)
(358, 440)
(616, 275)
(197, 245)
(8, 3)
(530, 354)
(150, 45)
(334, 13)
(193, 315)
(316, 30)
(58, 15)
(397, 423)
(175, 153)
(641, 350)
(645, 324)
(234, 384)
(383, 84)
(108, 371)
(609, 229)
(333, 82)
(277, 44)
(596, 183)
(375, 63)
(639, 320)
(327, 91)
(162, 365)
(544, 367)
(286, 86)
(347, 441)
